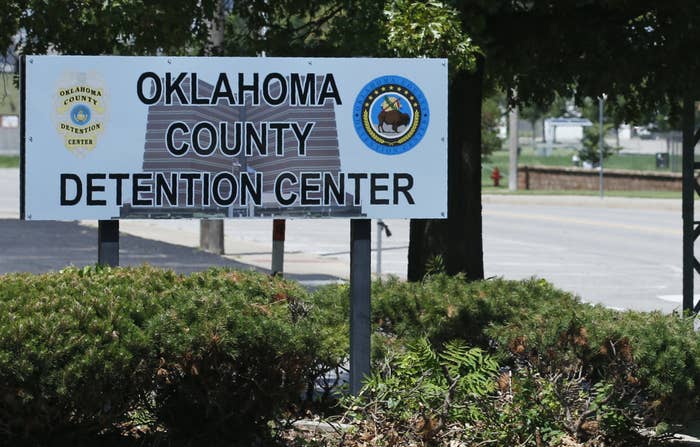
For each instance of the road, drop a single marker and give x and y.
(623, 253)
(623, 257)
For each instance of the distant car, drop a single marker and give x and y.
(644, 132)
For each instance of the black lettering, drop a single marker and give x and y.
(306, 94)
(251, 133)
(279, 132)
(205, 188)
(375, 186)
(253, 88)
(137, 188)
(302, 135)
(92, 188)
(119, 179)
(308, 187)
(329, 90)
(174, 87)
(156, 88)
(223, 136)
(181, 150)
(222, 89)
(194, 86)
(65, 201)
(197, 138)
(405, 189)
(163, 189)
(189, 177)
(251, 189)
(356, 178)
(267, 87)
(331, 187)
(216, 188)
(292, 197)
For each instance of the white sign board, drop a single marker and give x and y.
(107, 137)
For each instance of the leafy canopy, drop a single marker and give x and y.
(428, 29)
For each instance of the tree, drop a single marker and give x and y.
(434, 29)
(491, 115)
(107, 27)
(590, 145)
(306, 28)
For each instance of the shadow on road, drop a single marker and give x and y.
(44, 246)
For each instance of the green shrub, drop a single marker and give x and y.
(212, 355)
(422, 396)
(233, 350)
(72, 350)
(648, 353)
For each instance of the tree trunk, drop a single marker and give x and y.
(456, 239)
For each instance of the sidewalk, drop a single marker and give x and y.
(253, 249)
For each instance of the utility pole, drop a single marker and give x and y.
(513, 149)
(211, 231)
(689, 182)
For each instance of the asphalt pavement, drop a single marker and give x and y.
(623, 253)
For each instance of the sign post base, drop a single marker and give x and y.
(360, 285)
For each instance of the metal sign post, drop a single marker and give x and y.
(108, 242)
(278, 231)
(360, 284)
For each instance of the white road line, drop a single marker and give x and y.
(674, 298)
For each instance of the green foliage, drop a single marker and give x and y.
(70, 357)
(435, 265)
(457, 397)
(490, 121)
(212, 355)
(220, 354)
(590, 150)
(420, 392)
(305, 28)
(531, 321)
(429, 29)
(110, 27)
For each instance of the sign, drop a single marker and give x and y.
(9, 121)
(107, 137)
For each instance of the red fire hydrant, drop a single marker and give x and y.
(496, 176)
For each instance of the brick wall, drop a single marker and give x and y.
(553, 178)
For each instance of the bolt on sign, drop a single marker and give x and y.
(108, 137)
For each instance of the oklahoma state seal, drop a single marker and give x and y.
(391, 115)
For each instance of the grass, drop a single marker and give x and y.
(9, 161)
(562, 157)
